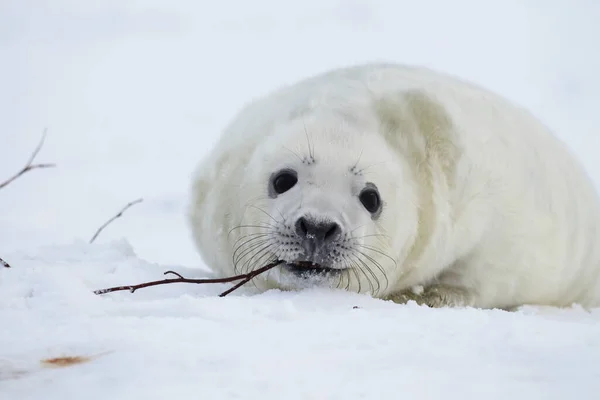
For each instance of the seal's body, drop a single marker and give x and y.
(385, 178)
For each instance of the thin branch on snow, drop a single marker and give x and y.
(243, 278)
(119, 214)
(4, 263)
(30, 166)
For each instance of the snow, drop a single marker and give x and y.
(134, 93)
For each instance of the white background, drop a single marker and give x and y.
(134, 93)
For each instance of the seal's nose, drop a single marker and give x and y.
(317, 232)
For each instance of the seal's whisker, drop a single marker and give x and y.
(347, 275)
(340, 280)
(248, 251)
(357, 161)
(346, 272)
(250, 235)
(266, 253)
(311, 150)
(376, 264)
(264, 212)
(248, 264)
(362, 171)
(367, 236)
(242, 260)
(293, 152)
(281, 215)
(264, 226)
(371, 273)
(359, 268)
(251, 252)
(356, 269)
(373, 249)
(372, 282)
(261, 261)
(353, 267)
(340, 276)
(354, 230)
(380, 268)
(248, 242)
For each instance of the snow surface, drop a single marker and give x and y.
(133, 93)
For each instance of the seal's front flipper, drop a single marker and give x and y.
(435, 296)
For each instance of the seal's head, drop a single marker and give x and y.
(331, 200)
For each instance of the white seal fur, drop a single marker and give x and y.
(480, 205)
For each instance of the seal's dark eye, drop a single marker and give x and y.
(370, 199)
(284, 181)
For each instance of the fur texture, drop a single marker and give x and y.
(482, 205)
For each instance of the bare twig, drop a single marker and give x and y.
(119, 214)
(29, 166)
(180, 279)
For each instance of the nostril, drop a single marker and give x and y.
(332, 232)
(301, 227)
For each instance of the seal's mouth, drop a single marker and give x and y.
(307, 268)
